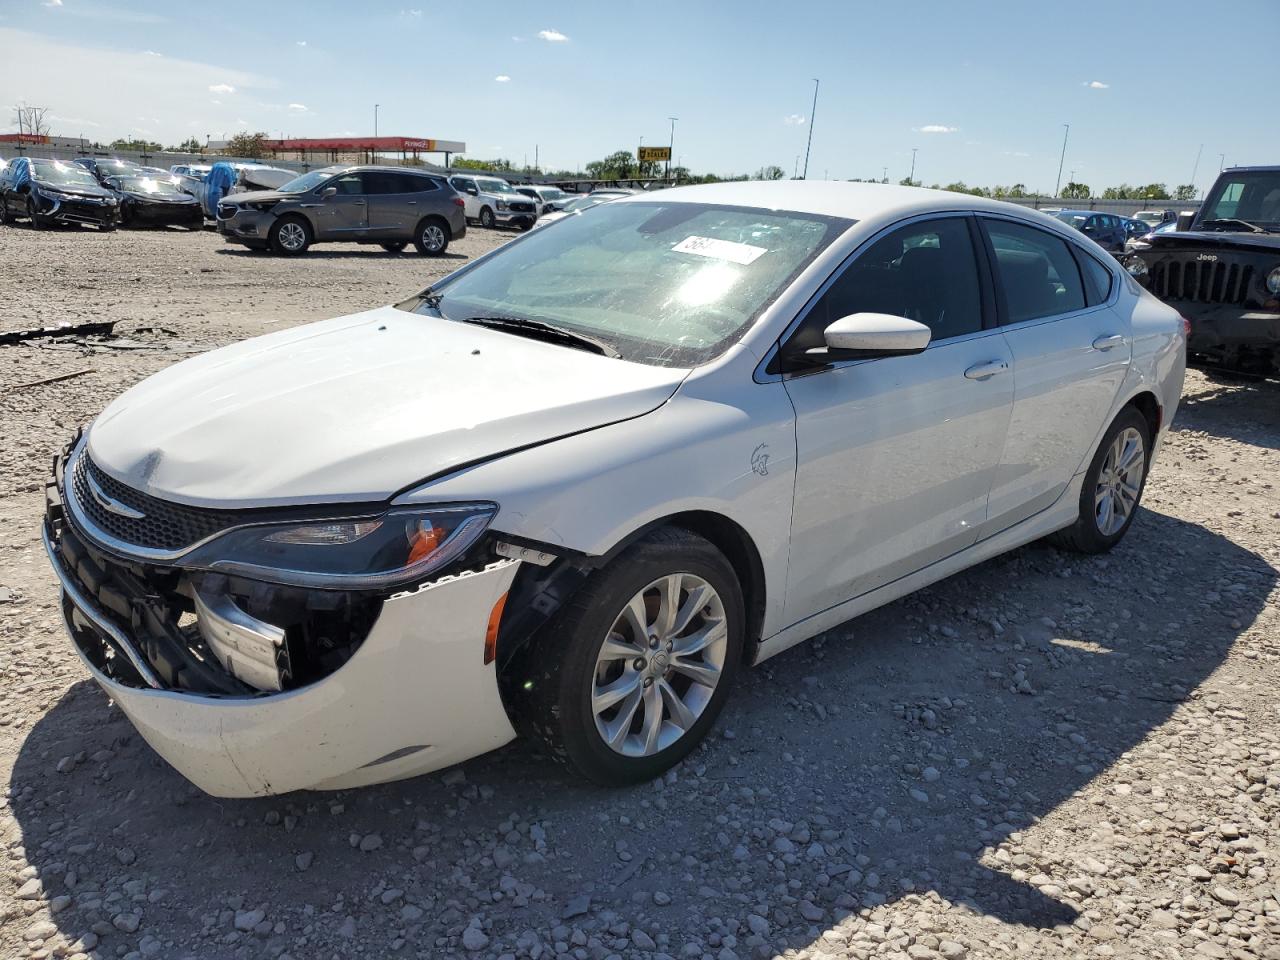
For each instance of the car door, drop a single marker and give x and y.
(470, 194)
(1071, 352)
(895, 455)
(345, 213)
(393, 200)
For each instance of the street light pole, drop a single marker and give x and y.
(672, 145)
(375, 119)
(911, 177)
(1062, 159)
(813, 110)
(1222, 161)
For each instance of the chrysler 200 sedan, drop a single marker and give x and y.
(578, 484)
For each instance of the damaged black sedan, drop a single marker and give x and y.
(154, 202)
(49, 192)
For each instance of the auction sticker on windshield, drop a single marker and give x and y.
(743, 253)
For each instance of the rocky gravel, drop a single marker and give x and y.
(1046, 756)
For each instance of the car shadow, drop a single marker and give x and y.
(369, 252)
(1001, 679)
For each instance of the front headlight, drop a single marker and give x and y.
(502, 204)
(351, 553)
(1137, 268)
(1273, 281)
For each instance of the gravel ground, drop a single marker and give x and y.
(1045, 756)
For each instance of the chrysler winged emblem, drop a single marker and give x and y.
(110, 504)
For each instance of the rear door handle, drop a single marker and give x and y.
(987, 369)
(413, 203)
(1108, 342)
(358, 203)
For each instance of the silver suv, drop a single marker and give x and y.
(492, 200)
(389, 206)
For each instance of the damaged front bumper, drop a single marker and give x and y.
(415, 693)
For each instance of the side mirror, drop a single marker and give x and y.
(473, 191)
(1088, 228)
(328, 192)
(1185, 219)
(863, 336)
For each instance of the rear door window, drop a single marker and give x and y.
(1097, 278)
(1035, 271)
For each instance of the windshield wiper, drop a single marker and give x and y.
(540, 330)
(1232, 221)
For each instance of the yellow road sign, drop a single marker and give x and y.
(653, 153)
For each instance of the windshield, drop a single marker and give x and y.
(670, 284)
(553, 194)
(308, 181)
(1253, 197)
(586, 203)
(1075, 219)
(148, 185)
(66, 174)
(494, 186)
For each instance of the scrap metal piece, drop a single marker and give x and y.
(88, 329)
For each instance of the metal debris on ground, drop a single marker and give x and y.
(41, 382)
(89, 329)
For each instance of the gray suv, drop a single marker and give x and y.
(389, 206)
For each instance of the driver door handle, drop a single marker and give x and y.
(358, 203)
(1108, 342)
(987, 369)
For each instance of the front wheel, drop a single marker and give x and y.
(290, 236)
(1112, 487)
(36, 222)
(486, 218)
(432, 237)
(632, 673)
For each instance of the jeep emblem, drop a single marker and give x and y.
(1211, 257)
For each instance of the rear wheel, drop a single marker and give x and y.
(1112, 487)
(633, 672)
(290, 236)
(486, 218)
(393, 247)
(432, 237)
(4, 212)
(36, 222)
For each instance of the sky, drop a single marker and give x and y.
(981, 90)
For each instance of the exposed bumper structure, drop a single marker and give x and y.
(415, 697)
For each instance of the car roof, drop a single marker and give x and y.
(855, 201)
(1074, 212)
(1263, 169)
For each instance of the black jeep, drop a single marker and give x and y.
(1221, 270)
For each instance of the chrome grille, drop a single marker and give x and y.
(518, 207)
(1204, 281)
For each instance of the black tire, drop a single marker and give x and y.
(487, 219)
(36, 222)
(525, 225)
(1086, 535)
(549, 684)
(107, 226)
(288, 247)
(4, 213)
(394, 247)
(432, 236)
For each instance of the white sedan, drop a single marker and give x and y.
(577, 485)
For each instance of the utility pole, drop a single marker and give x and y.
(1222, 161)
(795, 173)
(1195, 169)
(535, 159)
(911, 177)
(1062, 159)
(884, 175)
(672, 145)
(809, 144)
(375, 119)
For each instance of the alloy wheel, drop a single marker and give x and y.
(292, 236)
(432, 237)
(659, 665)
(1119, 482)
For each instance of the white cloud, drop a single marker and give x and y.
(793, 120)
(216, 103)
(415, 14)
(298, 107)
(935, 128)
(553, 36)
(222, 88)
(151, 53)
(518, 39)
(53, 3)
(1096, 84)
(301, 43)
(502, 78)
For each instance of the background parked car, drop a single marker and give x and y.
(49, 191)
(491, 201)
(1105, 229)
(103, 167)
(549, 198)
(1156, 217)
(154, 201)
(389, 206)
(574, 206)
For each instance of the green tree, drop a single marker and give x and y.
(251, 146)
(961, 187)
(140, 146)
(619, 165)
(493, 166)
(1154, 191)
(771, 172)
(908, 182)
(189, 145)
(1123, 192)
(1185, 191)
(1076, 191)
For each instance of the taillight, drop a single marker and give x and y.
(459, 202)
(1186, 328)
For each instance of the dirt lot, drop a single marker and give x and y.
(1046, 756)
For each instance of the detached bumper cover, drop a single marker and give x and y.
(415, 697)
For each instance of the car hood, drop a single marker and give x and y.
(356, 409)
(78, 190)
(259, 196)
(1212, 239)
(185, 198)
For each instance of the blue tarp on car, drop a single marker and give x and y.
(21, 171)
(218, 182)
